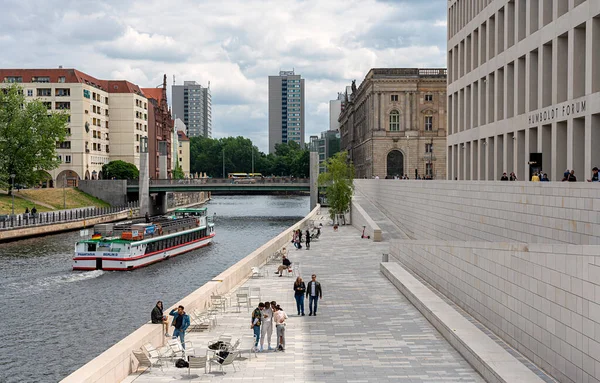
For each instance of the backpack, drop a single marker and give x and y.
(258, 315)
(217, 345)
(181, 363)
(222, 356)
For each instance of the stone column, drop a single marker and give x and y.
(406, 111)
(374, 102)
(381, 111)
(144, 178)
(314, 175)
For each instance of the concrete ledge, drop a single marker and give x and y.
(493, 362)
(33, 231)
(360, 218)
(116, 363)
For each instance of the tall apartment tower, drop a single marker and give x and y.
(286, 109)
(192, 103)
(523, 89)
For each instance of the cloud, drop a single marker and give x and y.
(235, 45)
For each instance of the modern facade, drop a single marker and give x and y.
(160, 132)
(394, 123)
(327, 146)
(193, 104)
(524, 83)
(179, 126)
(286, 109)
(106, 118)
(183, 152)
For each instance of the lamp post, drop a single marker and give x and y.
(65, 192)
(12, 178)
(252, 160)
(223, 163)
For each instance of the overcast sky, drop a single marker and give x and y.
(234, 44)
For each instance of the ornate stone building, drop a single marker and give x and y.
(395, 123)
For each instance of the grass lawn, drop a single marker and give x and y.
(20, 205)
(54, 197)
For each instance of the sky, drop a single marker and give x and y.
(233, 44)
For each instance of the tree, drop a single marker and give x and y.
(178, 173)
(29, 134)
(120, 170)
(339, 182)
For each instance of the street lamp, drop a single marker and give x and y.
(223, 163)
(252, 160)
(65, 192)
(12, 177)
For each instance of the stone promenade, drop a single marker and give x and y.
(365, 331)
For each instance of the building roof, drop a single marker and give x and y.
(71, 76)
(155, 93)
(181, 136)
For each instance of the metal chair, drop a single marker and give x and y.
(145, 360)
(221, 362)
(197, 362)
(254, 294)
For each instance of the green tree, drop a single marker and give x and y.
(120, 170)
(178, 173)
(29, 134)
(339, 182)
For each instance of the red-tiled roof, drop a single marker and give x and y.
(71, 76)
(181, 136)
(155, 93)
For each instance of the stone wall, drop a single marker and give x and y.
(544, 300)
(529, 212)
(113, 192)
(360, 219)
(183, 199)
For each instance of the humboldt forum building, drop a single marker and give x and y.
(523, 88)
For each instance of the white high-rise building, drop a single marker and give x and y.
(523, 88)
(335, 109)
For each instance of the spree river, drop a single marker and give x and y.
(56, 320)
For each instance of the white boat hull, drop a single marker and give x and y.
(123, 262)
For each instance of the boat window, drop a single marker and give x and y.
(91, 247)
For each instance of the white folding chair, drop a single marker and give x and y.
(176, 348)
(145, 360)
(197, 362)
(221, 362)
(247, 345)
(254, 294)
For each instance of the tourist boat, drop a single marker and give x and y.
(135, 244)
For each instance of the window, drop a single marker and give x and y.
(43, 79)
(63, 105)
(429, 169)
(29, 92)
(68, 159)
(68, 131)
(13, 79)
(44, 92)
(63, 145)
(428, 97)
(61, 79)
(428, 123)
(394, 98)
(428, 148)
(63, 92)
(394, 121)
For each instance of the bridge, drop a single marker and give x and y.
(225, 186)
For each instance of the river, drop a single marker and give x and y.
(56, 320)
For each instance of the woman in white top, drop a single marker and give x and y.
(280, 316)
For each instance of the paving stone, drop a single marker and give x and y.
(365, 331)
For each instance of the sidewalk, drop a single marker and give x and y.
(366, 331)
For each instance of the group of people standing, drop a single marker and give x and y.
(297, 239)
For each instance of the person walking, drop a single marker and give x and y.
(256, 323)
(157, 316)
(181, 321)
(266, 330)
(299, 291)
(280, 317)
(314, 293)
(307, 240)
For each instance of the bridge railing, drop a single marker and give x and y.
(8, 222)
(202, 181)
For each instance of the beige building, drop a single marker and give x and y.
(107, 118)
(183, 152)
(524, 88)
(128, 121)
(395, 123)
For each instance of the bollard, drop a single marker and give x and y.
(385, 257)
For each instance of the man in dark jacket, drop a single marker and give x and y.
(157, 316)
(313, 292)
(181, 321)
(286, 263)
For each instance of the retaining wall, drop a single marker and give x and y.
(529, 212)
(544, 300)
(359, 219)
(116, 363)
(32, 231)
(113, 192)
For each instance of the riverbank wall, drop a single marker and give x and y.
(55, 228)
(116, 363)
